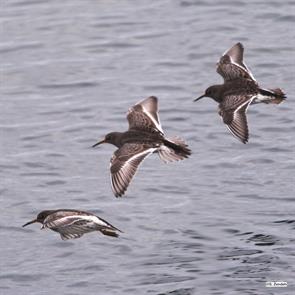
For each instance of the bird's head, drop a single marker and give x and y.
(40, 217)
(112, 138)
(212, 91)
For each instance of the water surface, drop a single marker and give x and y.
(219, 223)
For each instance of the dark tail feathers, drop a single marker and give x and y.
(278, 92)
(276, 95)
(109, 232)
(174, 150)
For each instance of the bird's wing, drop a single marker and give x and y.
(68, 236)
(233, 112)
(231, 65)
(71, 227)
(144, 116)
(124, 164)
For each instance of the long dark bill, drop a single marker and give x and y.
(30, 222)
(98, 143)
(200, 97)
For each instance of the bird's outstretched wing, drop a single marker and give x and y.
(231, 65)
(233, 112)
(74, 226)
(124, 164)
(144, 116)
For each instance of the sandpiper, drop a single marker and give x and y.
(144, 137)
(239, 90)
(72, 224)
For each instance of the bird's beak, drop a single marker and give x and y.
(30, 222)
(200, 97)
(98, 143)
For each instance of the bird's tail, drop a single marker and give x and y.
(273, 96)
(174, 149)
(109, 232)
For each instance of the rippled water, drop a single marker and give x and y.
(219, 223)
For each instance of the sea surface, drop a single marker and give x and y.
(222, 222)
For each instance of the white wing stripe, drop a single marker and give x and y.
(246, 102)
(245, 70)
(117, 181)
(148, 151)
(158, 125)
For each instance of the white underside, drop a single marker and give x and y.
(64, 221)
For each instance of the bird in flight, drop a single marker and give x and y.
(72, 224)
(144, 137)
(239, 90)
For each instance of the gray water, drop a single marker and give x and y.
(221, 222)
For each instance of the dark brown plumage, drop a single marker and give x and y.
(144, 137)
(239, 90)
(72, 224)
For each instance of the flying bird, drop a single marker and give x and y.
(239, 90)
(72, 224)
(144, 137)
